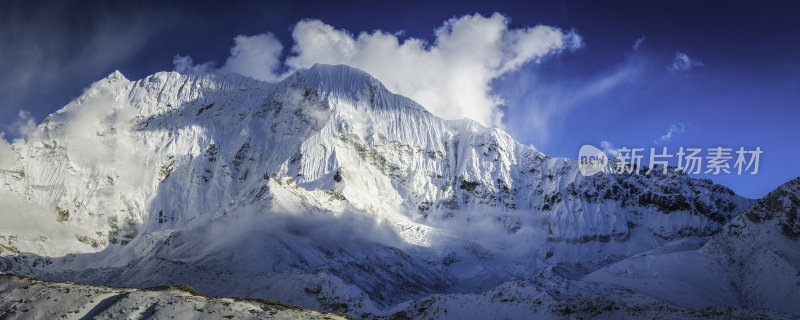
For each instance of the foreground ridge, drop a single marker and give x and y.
(26, 298)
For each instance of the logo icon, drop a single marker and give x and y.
(591, 160)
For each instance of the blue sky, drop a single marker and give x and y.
(736, 81)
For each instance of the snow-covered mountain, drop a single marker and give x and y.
(323, 190)
(753, 262)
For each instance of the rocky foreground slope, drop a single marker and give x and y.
(753, 262)
(27, 298)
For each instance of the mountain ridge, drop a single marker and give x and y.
(347, 188)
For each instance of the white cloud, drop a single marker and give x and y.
(639, 42)
(96, 137)
(31, 221)
(345, 230)
(539, 102)
(45, 56)
(7, 155)
(682, 63)
(85, 132)
(185, 65)
(20, 130)
(450, 77)
(255, 56)
(24, 126)
(609, 149)
(674, 130)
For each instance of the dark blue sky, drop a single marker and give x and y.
(745, 93)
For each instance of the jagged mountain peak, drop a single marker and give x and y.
(346, 83)
(116, 76)
(782, 204)
(780, 209)
(757, 251)
(337, 77)
(752, 262)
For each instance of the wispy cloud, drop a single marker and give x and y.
(609, 148)
(539, 100)
(682, 63)
(639, 42)
(40, 56)
(674, 130)
(24, 126)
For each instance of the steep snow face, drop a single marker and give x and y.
(391, 155)
(170, 149)
(97, 167)
(325, 174)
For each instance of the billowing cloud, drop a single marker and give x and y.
(255, 56)
(185, 65)
(7, 155)
(682, 63)
(451, 76)
(22, 128)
